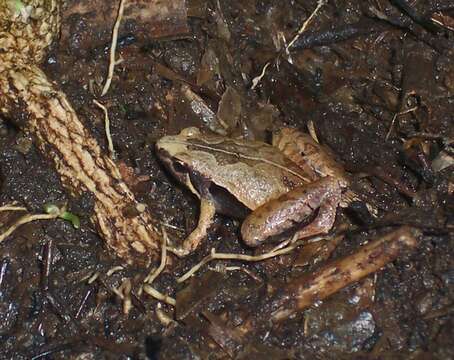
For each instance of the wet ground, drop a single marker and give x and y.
(375, 82)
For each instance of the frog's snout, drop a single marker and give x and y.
(176, 168)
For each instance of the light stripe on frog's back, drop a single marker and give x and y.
(250, 153)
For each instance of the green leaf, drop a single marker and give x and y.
(62, 214)
(74, 219)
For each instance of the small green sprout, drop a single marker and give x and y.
(74, 219)
(62, 214)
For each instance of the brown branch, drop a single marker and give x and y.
(304, 291)
(62, 137)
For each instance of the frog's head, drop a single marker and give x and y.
(174, 153)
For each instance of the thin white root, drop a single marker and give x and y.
(93, 277)
(24, 220)
(107, 127)
(303, 28)
(113, 48)
(154, 274)
(124, 293)
(114, 270)
(159, 296)
(248, 258)
(257, 79)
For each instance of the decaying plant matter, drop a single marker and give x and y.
(303, 292)
(27, 28)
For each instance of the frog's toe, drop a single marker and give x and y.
(251, 234)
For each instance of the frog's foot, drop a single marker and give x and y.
(291, 209)
(324, 220)
(192, 242)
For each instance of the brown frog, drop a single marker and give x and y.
(276, 188)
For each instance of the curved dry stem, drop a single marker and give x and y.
(107, 128)
(226, 256)
(24, 220)
(12, 207)
(159, 296)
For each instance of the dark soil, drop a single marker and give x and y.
(349, 76)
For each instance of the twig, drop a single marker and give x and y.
(302, 292)
(12, 207)
(391, 128)
(301, 30)
(170, 226)
(46, 264)
(113, 47)
(107, 127)
(83, 302)
(24, 220)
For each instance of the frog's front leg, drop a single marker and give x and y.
(291, 209)
(206, 217)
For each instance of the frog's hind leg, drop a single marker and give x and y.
(324, 220)
(292, 208)
(206, 217)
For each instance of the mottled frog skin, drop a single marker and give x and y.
(274, 187)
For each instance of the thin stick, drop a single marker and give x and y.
(113, 48)
(12, 207)
(107, 127)
(302, 292)
(24, 220)
(224, 256)
(393, 121)
(301, 30)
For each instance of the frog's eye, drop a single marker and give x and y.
(179, 167)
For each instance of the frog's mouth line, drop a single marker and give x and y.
(179, 173)
(242, 156)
